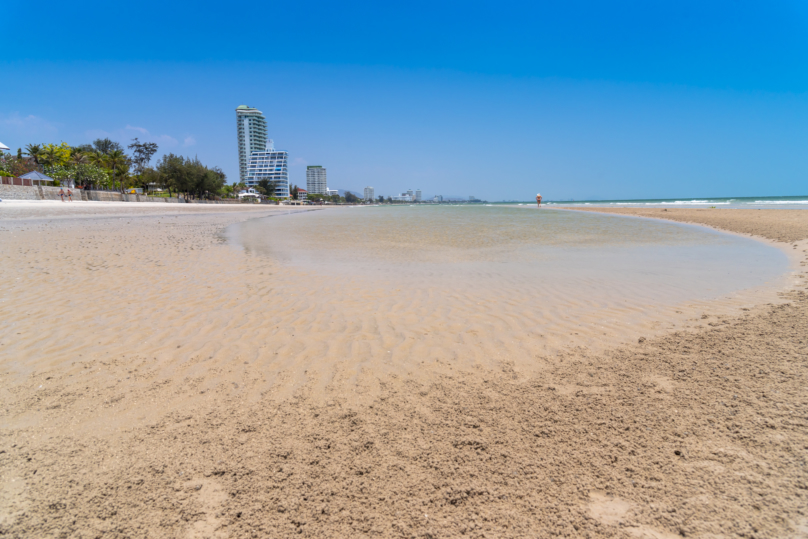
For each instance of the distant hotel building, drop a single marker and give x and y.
(302, 194)
(418, 195)
(403, 197)
(252, 136)
(369, 194)
(269, 164)
(315, 180)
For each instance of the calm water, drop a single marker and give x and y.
(504, 248)
(508, 281)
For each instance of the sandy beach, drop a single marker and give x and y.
(149, 389)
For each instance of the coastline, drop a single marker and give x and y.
(689, 433)
(791, 241)
(787, 227)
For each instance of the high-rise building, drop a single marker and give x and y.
(369, 194)
(409, 192)
(418, 195)
(315, 180)
(252, 136)
(269, 164)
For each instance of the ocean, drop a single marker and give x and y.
(789, 202)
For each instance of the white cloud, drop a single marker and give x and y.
(16, 125)
(189, 141)
(161, 140)
(141, 130)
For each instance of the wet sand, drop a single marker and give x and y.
(148, 390)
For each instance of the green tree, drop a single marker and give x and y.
(96, 158)
(350, 197)
(17, 166)
(34, 151)
(77, 159)
(83, 173)
(269, 186)
(142, 152)
(53, 155)
(185, 175)
(106, 146)
(118, 162)
(150, 177)
(173, 174)
(49, 157)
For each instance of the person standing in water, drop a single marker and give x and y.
(538, 199)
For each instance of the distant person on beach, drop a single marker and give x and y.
(538, 199)
(69, 195)
(62, 194)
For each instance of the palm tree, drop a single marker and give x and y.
(49, 156)
(34, 151)
(116, 159)
(77, 158)
(96, 158)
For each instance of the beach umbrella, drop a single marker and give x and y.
(3, 147)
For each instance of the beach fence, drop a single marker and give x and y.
(22, 182)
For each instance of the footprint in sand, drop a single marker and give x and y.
(613, 511)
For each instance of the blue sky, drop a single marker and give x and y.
(576, 99)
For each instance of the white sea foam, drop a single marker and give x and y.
(780, 202)
(672, 203)
(694, 202)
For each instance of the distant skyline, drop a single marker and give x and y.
(581, 99)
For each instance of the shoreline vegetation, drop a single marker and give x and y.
(105, 165)
(124, 417)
